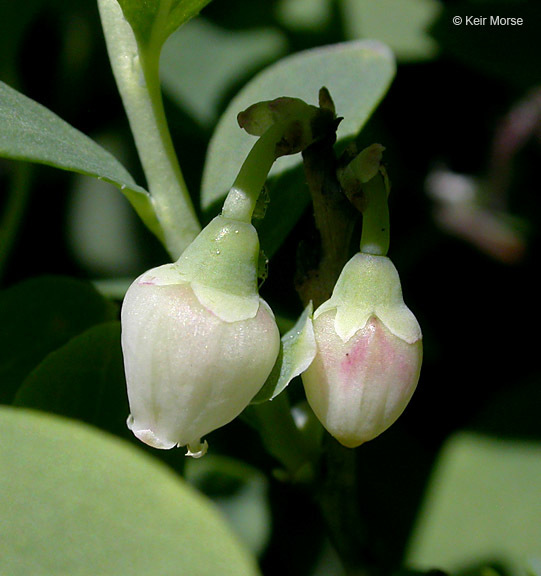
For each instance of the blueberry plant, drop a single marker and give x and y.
(262, 330)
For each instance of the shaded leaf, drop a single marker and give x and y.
(39, 315)
(76, 501)
(240, 491)
(84, 379)
(15, 24)
(512, 412)
(285, 189)
(31, 132)
(155, 20)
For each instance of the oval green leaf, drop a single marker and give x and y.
(357, 75)
(77, 501)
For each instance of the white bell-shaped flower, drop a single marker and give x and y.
(197, 339)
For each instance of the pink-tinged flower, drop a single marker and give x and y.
(369, 353)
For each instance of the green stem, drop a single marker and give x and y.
(242, 198)
(337, 493)
(375, 236)
(281, 436)
(136, 70)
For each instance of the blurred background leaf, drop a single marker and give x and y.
(483, 505)
(402, 24)
(102, 231)
(453, 88)
(305, 15)
(201, 62)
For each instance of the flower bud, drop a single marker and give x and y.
(197, 339)
(369, 353)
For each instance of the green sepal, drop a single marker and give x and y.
(369, 286)
(221, 265)
(297, 350)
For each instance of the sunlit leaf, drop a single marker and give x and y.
(31, 132)
(77, 501)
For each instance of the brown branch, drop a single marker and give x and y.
(335, 221)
